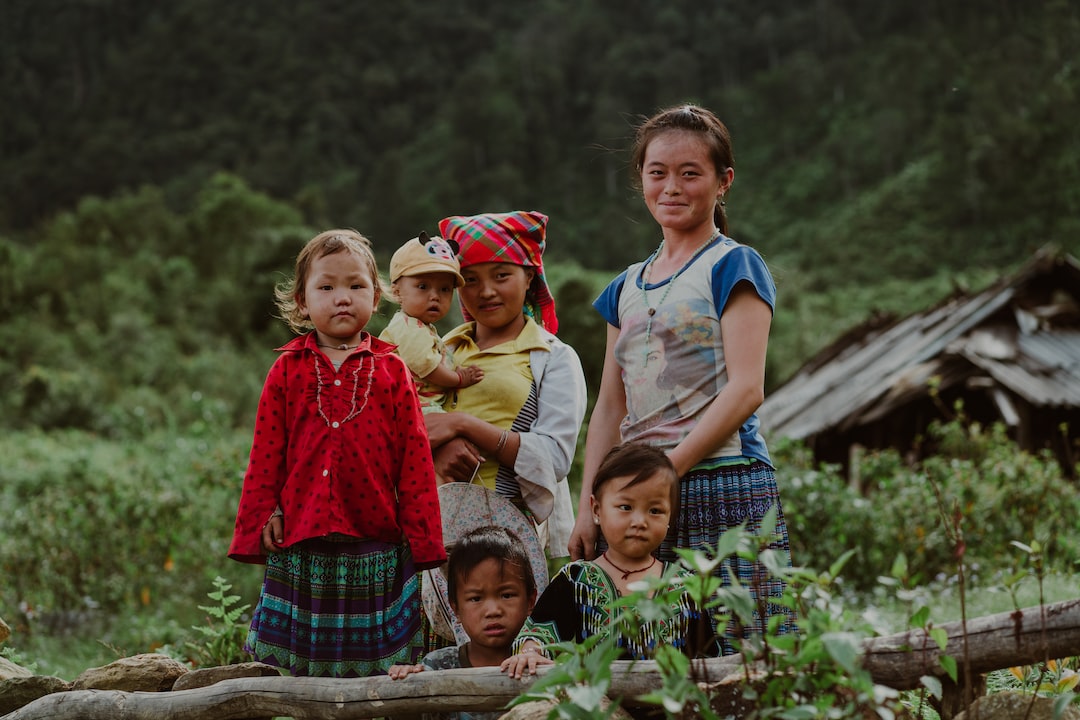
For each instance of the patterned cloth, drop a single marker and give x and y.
(713, 500)
(517, 238)
(577, 605)
(338, 608)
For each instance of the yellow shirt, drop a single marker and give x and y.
(499, 397)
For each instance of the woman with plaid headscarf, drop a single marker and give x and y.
(516, 430)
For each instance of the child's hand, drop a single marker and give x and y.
(469, 375)
(397, 672)
(524, 663)
(273, 534)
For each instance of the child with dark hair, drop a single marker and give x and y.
(339, 498)
(492, 590)
(634, 497)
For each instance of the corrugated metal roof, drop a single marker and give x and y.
(887, 367)
(1046, 371)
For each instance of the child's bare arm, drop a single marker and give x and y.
(447, 377)
(397, 672)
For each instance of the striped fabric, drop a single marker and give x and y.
(517, 238)
(717, 498)
(338, 609)
(506, 483)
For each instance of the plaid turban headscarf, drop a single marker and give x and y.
(516, 238)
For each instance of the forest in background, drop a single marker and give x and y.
(160, 163)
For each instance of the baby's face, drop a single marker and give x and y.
(425, 297)
(492, 604)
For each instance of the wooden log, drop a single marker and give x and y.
(899, 661)
(472, 689)
(993, 642)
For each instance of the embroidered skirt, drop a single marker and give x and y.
(716, 499)
(338, 609)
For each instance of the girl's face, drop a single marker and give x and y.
(492, 605)
(634, 519)
(494, 293)
(680, 183)
(425, 297)
(339, 297)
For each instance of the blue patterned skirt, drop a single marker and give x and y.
(337, 608)
(713, 500)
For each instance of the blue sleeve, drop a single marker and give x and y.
(742, 263)
(607, 304)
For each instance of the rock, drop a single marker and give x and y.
(19, 691)
(208, 676)
(149, 672)
(9, 669)
(539, 709)
(1014, 706)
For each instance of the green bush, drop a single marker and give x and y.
(97, 529)
(980, 479)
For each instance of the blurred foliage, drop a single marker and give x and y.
(97, 529)
(1001, 495)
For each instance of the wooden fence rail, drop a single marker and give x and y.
(899, 661)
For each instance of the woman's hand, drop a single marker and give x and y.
(441, 428)
(525, 662)
(456, 460)
(582, 544)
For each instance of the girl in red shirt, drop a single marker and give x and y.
(339, 496)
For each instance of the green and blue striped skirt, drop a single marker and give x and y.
(340, 607)
(712, 500)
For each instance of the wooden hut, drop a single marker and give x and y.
(1010, 353)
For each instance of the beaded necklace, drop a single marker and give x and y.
(647, 270)
(354, 410)
(627, 573)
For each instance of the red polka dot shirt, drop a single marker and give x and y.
(340, 451)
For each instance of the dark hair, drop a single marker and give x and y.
(639, 463)
(484, 543)
(692, 119)
(289, 293)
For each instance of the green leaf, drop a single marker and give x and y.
(948, 662)
(920, 617)
(899, 567)
(932, 685)
(843, 647)
(1061, 702)
(839, 563)
(940, 636)
(587, 697)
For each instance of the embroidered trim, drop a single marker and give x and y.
(353, 410)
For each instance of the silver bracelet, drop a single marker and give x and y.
(502, 443)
